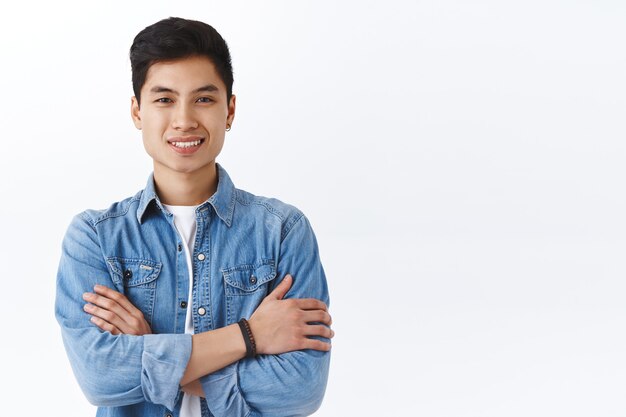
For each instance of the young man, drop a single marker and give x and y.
(153, 293)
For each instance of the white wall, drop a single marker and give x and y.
(462, 163)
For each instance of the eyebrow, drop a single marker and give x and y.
(209, 88)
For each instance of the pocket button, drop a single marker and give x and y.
(128, 274)
(252, 279)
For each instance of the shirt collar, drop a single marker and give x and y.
(223, 201)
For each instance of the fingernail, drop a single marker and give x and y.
(86, 296)
(87, 307)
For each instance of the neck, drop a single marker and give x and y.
(185, 189)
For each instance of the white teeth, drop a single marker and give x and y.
(186, 144)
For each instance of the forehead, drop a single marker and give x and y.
(184, 75)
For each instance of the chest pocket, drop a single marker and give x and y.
(245, 286)
(137, 279)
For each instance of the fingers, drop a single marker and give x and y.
(117, 297)
(104, 315)
(319, 330)
(310, 304)
(319, 316)
(108, 306)
(315, 345)
(106, 326)
(105, 303)
(282, 288)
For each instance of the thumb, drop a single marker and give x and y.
(282, 288)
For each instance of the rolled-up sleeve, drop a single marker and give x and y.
(292, 383)
(112, 370)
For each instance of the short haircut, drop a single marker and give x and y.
(175, 38)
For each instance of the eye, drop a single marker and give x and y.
(205, 99)
(163, 100)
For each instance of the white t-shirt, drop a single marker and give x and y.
(185, 222)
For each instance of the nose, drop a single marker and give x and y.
(184, 118)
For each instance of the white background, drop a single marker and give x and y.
(462, 163)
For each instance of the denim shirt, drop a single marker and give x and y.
(244, 246)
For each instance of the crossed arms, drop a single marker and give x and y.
(117, 369)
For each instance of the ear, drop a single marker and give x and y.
(231, 111)
(135, 112)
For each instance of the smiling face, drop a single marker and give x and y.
(183, 116)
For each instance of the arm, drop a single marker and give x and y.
(112, 312)
(116, 369)
(289, 384)
(281, 326)
(112, 370)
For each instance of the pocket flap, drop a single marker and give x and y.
(133, 272)
(249, 277)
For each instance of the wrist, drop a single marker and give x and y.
(248, 338)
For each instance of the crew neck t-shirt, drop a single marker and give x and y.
(185, 223)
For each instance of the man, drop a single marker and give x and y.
(153, 293)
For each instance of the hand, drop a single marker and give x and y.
(280, 326)
(113, 312)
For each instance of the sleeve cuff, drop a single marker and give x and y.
(223, 397)
(163, 363)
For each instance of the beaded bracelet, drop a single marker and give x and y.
(248, 338)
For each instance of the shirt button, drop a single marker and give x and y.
(201, 311)
(252, 279)
(128, 274)
(201, 256)
(183, 304)
(180, 247)
(168, 415)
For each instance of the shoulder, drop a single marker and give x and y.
(269, 208)
(116, 210)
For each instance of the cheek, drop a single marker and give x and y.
(149, 148)
(217, 117)
(154, 129)
(216, 145)
(152, 136)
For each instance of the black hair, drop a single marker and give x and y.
(176, 38)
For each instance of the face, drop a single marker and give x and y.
(183, 115)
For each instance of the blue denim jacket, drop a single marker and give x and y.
(245, 244)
